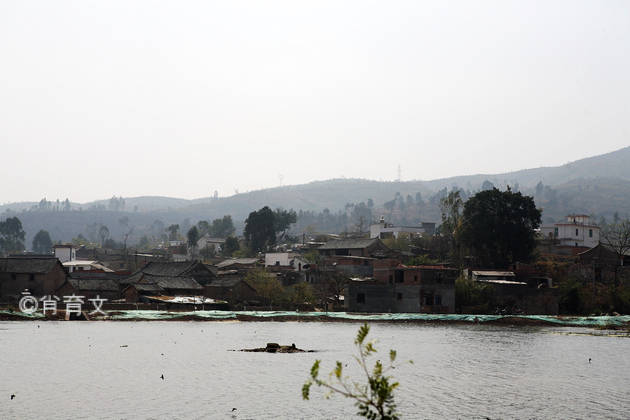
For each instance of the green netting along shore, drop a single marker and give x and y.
(36, 315)
(147, 315)
(594, 321)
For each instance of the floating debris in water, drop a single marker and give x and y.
(277, 348)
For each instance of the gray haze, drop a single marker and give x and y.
(182, 98)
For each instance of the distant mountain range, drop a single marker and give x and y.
(597, 185)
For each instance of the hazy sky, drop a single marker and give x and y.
(182, 98)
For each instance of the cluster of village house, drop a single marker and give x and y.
(375, 280)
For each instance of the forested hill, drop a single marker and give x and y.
(610, 165)
(599, 185)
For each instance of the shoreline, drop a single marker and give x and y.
(606, 322)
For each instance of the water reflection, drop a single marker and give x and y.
(82, 370)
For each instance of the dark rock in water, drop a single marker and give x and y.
(277, 348)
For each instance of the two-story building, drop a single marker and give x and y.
(578, 230)
(399, 288)
(384, 230)
(354, 247)
(65, 252)
(40, 275)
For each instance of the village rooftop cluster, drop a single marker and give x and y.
(361, 272)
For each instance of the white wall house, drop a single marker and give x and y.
(65, 253)
(577, 230)
(286, 259)
(85, 265)
(207, 241)
(383, 230)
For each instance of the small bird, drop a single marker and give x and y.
(162, 377)
(12, 396)
(589, 360)
(38, 326)
(233, 409)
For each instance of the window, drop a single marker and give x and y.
(576, 232)
(415, 277)
(360, 297)
(438, 299)
(590, 233)
(555, 232)
(31, 277)
(398, 296)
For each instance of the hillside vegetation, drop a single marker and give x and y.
(598, 185)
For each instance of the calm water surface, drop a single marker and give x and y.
(78, 370)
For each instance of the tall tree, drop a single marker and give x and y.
(11, 236)
(282, 219)
(223, 227)
(230, 246)
(103, 234)
(42, 244)
(260, 232)
(617, 236)
(193, 237)
(451, 208)
(172, 232)
(203, 227)
(127, 230)
(498, 227)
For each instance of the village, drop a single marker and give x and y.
(386, 269)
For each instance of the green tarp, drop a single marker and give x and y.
(21, 314)
(564, 320)
(593, 321)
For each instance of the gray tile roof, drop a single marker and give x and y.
(134, 278)
(89, 275)
(350, 244)
(34, 265)
(232, 261)
(167, 282)
(168, 268)
(148, 287)
(94, 285)
(226, 282)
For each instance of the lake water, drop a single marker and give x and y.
(78, 370)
